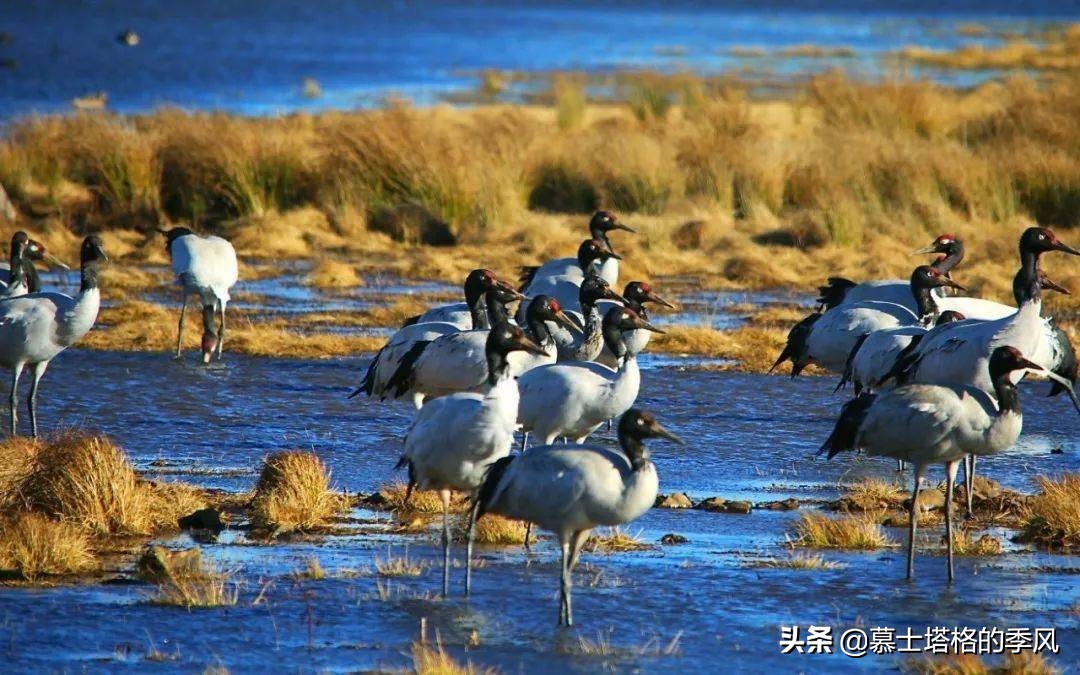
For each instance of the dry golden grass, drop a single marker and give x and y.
(16, 463)
(1024, 663)
(293, 493)
(203, 585)
(801, 561)
(399, 566)
(1058, 51)
(603, 646)
(873, 494)
(498, 530)
(33, 546)
(330, 273)
(861, 533)
(433, 659)
(615, 541)
(87, 480)
(158, 564)
(421, 501)
(965, 544)
(1053, 514)
(312, 570)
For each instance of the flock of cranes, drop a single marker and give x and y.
(934, 373)
(933, 388)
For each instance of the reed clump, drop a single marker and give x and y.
(1052, 515)
(189, 581)
(1024, 663)
(615, 541)
(858, 533)
(495, 530)
(800, 561)
(33, 546)
(293, 494)
(433, 659)
(392, 497)
(329, 273)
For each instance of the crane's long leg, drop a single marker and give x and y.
(913, 522)
(445, 494)
(469, 544)
(13, 400)
(564, 583)
(180, 330)
(31, 401)
(221, 332)
(969, 483)
(528, 533)
(576, 545)
(524, 439)
(950, 482)
(900, 465)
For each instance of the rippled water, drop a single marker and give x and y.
(252, 57)
(751, 437)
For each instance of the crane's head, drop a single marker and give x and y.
(594, 288)
(603, 222)
(478, 282)
(945, 243)
(35, 250)
(641, 292)
(624, 318)
(925, 276)
(547, 308)
(505, 337)
(92, 250)
(1040, 240)
(594, 250)
(639, 424)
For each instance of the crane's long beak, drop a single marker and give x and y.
(953, 284)
(610, 254)
(612, 295)
(1061, 246)
(1046, 282)
(511, 290)
(661, 432)
(925, 249)
(620, 226)
(642, 323)
(565, 320)
(657, 299)
(1065, 384)
(53, 261)
(525, 344)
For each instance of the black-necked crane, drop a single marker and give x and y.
(827, 339)
(938, 424)
(838, 290)
(573, 399)
(457, 362)
(635, 294)
(34, 328)
(455, 439)
(587, 343)
(601, 225)
(467, 315)
(385, 363)
(205, 266)
(24, 251)
(565, 288)
(571, 489)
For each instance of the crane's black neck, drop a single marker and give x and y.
(614, 340)
(496, 309)
(635, 450)
(1026, 282)
(953, 256)
(537, 329)
(498, 367)
(33, 281)
(925, 304)
(477, 310)
(1007, 394)
(89, 275)
(638, 307)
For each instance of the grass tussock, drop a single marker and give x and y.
(87, 480)
(493, 530)
(34, 546)
(190, 582)
(872, 494)
(1024, 663)
(399, 566)
(852, 533)
(392, 497)
(293, 494)
(964, 543)
(311, 570)
(605, 646)
(800, 561)
(433, 659)
(1052, 516)
(615, 541)
(329, 273)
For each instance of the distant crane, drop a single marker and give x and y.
(205, 266)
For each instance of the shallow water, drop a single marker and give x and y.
(252, 57)
(751, 437)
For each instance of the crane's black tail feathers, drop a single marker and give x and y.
(849, 366)
(834, 291)
(405, 463)
(847, 425)
(526, 274)
(1067, 366)
(405, 376)
(491, 483)
(368, 383)
(411, 320)
(904, 367)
